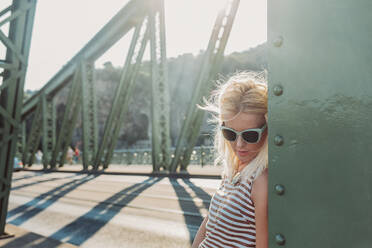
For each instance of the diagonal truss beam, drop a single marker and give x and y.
(114, 120)
(15, 76)
(10, 45)
(127, 18)
(125, 99)
(68, 123)
(210, 66)
(8, 117)
(15, 14)
(33, 141)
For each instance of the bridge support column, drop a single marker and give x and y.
(160, 90)
(320, 116)
(89, 114)
(12, 78)
(49, 129)
(33, 140)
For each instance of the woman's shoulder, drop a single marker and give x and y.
(260, 186)
(263, 175)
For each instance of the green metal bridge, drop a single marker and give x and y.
(320, 109)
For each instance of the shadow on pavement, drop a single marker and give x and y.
(29, 239)
(21, 240)
(84, 227)
(35, 174)
(199, 192)
(193, 217)
(41, 202)
(41, 181)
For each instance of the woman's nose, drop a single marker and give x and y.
(239, 141)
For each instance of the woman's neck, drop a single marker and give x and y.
(241, 166)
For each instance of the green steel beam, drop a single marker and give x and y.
(211, 64)
(125, 100)
(49, 129)
(160, 90)
(33, 139)
(89, 114)
(320, 116)
(69, 121)
(127, 18)
(17, 45)
(22, 138)
(120, 102)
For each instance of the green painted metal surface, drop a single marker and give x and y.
(33, 140)
(210, 67)
(14, 65)
(123, 92)
(89, 114)
(321, 55)
(130, 82)
(160, 90)
(48, 129)
(72, 109)
(22, 139)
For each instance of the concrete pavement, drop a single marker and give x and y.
(103, 210)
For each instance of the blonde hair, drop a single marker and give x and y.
(244, 92)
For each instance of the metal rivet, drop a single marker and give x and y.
(279, 189)
(279, 239)
(278, 41)
(278, 90)
(278, 140)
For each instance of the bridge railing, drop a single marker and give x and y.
(201, 155)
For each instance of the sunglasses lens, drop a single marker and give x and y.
(229, 135)
(250, 136)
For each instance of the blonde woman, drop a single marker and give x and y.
(238, 210)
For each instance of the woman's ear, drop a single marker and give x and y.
(266, 117)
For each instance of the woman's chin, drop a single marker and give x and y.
(246, 159)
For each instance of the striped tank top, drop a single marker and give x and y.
(231, 217)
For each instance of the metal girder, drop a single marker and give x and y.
(22, 138)
(125, 101)
(209, 69)
(33, 140)
(69, 121)
(17, 45)
(123, 92)
(320, 115)
(127, 18)
(49, 129)
(89, 114)
(160, 90)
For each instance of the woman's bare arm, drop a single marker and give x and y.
(200, 234)
(259, 197)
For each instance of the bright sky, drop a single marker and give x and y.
(62, 28)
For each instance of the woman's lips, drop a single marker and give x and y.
(243, 153)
